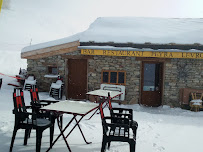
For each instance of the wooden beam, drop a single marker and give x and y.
(153, 59)
(50, 51)
(48, 54)
(77, 57)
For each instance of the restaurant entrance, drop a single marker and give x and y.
(151, 83)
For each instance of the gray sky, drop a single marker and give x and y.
(45, 20)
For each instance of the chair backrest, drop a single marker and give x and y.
(31, 78)
(18, 101)
(34, 95)
(197, 95)
(119, 88)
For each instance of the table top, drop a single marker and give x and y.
(72, 107)
(104, 93)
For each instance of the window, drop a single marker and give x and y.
(52, 70)
(113, 77)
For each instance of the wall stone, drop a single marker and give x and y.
(181, 73)
(128, 64)
(39, 67)
(178, 73)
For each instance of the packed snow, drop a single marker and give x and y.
(161, 129)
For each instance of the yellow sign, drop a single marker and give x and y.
(1, 3)
(155, 54)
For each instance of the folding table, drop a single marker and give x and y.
(104, 94)
(75, 108)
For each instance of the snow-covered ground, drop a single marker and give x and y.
(160, 129)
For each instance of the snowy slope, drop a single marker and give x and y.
(31, 22)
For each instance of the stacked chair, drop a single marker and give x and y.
(29, 82)
(29, 120)
(119, 126)
(56, 89)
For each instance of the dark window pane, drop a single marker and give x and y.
(121, 76)
(105, 77)
(150, 77)
(113, 78)
(54, 70)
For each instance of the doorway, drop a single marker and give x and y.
(77, 79)
(151, 83)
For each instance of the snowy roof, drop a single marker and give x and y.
(136, 30)
(142, 30)
(52, 43)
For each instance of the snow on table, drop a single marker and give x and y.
(104, 93)
(72, 107)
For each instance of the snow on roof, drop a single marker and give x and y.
(142, 30)
(52, 43)
(135, 30)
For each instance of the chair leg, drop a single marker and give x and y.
(27, 131)
(132, 146)
(51, 134)
(38, 139)
(13, 138)
(109, 144)
(103, 148)
(61, 120)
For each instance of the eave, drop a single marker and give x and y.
(51, 51)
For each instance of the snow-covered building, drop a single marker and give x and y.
(152, 57)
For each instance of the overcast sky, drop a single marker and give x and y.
(45, 20)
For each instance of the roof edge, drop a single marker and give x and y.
(196, 46)
(50, 51)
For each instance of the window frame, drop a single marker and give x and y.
(109, 77)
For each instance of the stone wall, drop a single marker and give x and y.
(128, 64)
(39, 67)
(178, 73)
(181, 73)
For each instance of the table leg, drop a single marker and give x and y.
(77, 124)
(62, 131)
(97, 110)
(82, 132)
(93, 114)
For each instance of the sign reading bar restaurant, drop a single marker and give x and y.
(189, 55)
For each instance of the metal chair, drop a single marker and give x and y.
(26, 120)
(116, 129)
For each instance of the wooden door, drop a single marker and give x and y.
(151, 84)
(77, 78)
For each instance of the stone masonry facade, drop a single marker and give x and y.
(178, 73)
(181, 73)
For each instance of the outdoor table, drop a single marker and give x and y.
(75, 108)
(104, 94)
